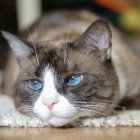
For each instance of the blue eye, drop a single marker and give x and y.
(35, 85)
(73, 80)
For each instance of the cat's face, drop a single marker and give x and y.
(60, 82)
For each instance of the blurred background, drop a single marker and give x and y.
(125, 14)
(17, 15)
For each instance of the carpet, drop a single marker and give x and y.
(11, 118)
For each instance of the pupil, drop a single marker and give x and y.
(72, 80)
(35, 84)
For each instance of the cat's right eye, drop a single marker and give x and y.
(35, 85)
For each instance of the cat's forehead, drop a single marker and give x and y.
(67, 57)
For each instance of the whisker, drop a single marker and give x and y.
(67, 39)
(37, 59)
(25, 107)
(93, 112)
(95, 103)
(65, 54)
(89, 106)
(90, 103)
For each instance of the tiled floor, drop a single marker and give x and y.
(118, 133)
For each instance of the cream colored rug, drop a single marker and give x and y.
(10, 117)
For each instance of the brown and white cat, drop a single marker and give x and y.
(63, 71)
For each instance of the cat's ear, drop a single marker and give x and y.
(19, 48)
(98, 35)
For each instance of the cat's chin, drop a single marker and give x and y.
(59, 121)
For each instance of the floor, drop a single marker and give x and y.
(117, 133)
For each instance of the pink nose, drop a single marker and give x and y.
(51, 104)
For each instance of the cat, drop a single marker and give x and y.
(67, 67)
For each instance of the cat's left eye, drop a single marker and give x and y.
(73, 80)
(35, 85)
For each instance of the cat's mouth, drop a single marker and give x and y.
(59, 115)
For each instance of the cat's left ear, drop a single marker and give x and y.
(19, 48)
(98, 35)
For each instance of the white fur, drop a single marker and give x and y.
(62, 112)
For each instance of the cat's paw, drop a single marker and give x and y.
(82, 122)
(75, 124)
(92, 122)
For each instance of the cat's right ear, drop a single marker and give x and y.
(19, 48)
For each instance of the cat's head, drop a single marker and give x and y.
(60, 83)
